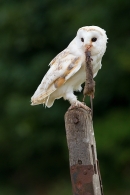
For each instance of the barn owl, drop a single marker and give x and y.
(67, 69)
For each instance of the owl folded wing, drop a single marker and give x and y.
(62, 67)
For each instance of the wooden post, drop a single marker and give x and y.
(84, 168)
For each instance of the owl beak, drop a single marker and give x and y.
(87, 47)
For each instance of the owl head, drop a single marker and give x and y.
(91, 38)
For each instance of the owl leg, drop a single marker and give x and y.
(70, 97)
(74, 102)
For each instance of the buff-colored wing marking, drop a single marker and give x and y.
(60, 71)
(61, 55)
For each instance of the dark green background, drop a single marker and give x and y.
(33, 148)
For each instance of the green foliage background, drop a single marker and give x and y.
(33, 149)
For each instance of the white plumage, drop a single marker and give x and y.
(67, 69)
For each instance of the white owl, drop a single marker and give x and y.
(67, 69)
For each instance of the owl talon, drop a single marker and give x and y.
(79, 105)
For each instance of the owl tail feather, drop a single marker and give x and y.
(49, 102)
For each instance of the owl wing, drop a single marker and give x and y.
(62, 67)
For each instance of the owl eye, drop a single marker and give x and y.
(94, 39)
(82, 39)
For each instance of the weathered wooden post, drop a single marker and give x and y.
(84, 168)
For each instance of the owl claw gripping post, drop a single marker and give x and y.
(67, 69)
